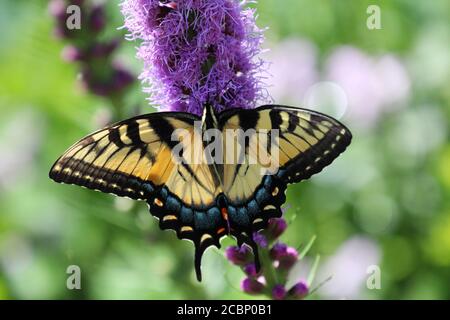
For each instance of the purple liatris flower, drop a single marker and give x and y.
(288, 259)
(252, 286)
(197, 51)
(88, 47)
(250, 270)
(278, 250)
(276, 228)
(299, 290)
(239, 255)
(278, 292)
(260, 239)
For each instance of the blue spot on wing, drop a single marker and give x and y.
(214, 216)
(201, 221)
(173, 204)
(262, 196)
(148, 187)
(253, 209)
(239, 216)
(187, 216)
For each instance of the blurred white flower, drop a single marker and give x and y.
(373, 85)
(348, 268)
(15, 253)
(417, 133)
(20, 139)
(429, 60)
(327, 97)
(293, 69)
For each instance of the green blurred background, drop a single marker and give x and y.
(385, 202)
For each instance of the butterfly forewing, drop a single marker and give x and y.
(128, 158)
(299, 143)
(305, 142)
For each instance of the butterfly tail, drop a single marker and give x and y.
(198, 262)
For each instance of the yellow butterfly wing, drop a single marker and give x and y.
(132, 157)
(287, 145)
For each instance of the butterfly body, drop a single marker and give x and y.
(228, 190)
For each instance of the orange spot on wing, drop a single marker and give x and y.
(224, 212)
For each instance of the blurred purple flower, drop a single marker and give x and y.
(293, 69)
(196, 52)
(373, 85)
(97, 18)
(355, 82)
(108, 78)
(348, 268)
(120, 78)
(71, 53)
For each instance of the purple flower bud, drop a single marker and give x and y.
(57, 8)
(71, 53)
(97, 18)
(103, 50)
(252, 286)
(278, 250)
(239, 256)
(260, 239)
(299, 291)
(287, 260)
(278, 292)
(121, 79)
(250, 270)
(276, 228)
(118, 80)
(77, 2)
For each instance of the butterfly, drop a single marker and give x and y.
(161, 158)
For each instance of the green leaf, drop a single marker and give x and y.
(312, 274)
(308, 247)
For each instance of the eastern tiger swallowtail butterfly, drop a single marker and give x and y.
(205, 201)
